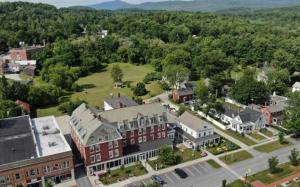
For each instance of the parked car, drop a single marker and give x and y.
(181, 173)
(286, 184)
(296, 179)
(157, 179)
(203, 154)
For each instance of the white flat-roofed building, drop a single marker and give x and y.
(50, 140)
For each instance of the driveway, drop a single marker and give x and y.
(81, 179)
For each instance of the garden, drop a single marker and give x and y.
(224, 146)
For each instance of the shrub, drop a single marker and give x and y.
(152, 77)
(140, 89)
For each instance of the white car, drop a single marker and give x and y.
(286, 184)
(296, 179)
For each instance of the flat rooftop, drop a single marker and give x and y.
(16, 140)
(50, 140)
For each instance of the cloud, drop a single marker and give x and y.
(66, 3)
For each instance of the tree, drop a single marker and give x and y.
(175, 75)
(181, 110)
(281, 138)
(292, 114)
(167, 155)
(44, 95)
(9, 109)
(248, 90)
(294, 157)
(116, 73)
(273, 163)
(70, 106)
(278, 80)
(140, 89)
(201, 91)
(5, 91)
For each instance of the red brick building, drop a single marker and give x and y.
(109, 139)
(33, 153)
(182, 95)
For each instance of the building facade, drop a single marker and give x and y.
(118, 137)
(182, 95)
(196, 133)
(34, 153)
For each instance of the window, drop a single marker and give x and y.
(132, 141)
(160, 118)
(152, 137)
(47, 169)
(204, 133)
(140, 131)
(66, 164)
(92, 159)
(163, 126)
(159, 135)
(97, 148)
(116, 143)
(98, 157)
(110, 145)
(144, 139)
(152, 129)
(17, 175)
(2, 180)
(116, 153)
(132, 133)
(144, 130)
(92, 149)
(32, 172)
(140, 139)
(158, 128)
(111, 154)
(163, 134)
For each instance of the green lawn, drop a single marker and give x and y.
(213, 164)
(239, 137)
(119, 174)
(225, 146)
(236, 157)
(257, 136)
(267, 132)
(237, 183)
(98, 86)
(267, 178)
(266, 148)
(185, 155)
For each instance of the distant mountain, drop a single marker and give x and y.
(112, 5)
(197, 5)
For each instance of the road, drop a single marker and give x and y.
(214, 177)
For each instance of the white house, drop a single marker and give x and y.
(296, 87)
(196, 133)
(243, 120)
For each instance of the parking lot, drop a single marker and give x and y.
(171, 178)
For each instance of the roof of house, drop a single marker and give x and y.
(16, 140)
(182, 92)
(246, 115)
(296, 85)
(120, 102)
(193, 122)
(103, 126)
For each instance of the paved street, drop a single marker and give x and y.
(81, 179)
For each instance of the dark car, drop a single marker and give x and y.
(182, 174)
(157, 179)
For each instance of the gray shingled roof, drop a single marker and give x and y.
(120, 102)
(194, 122)
(249, 115)
(186, 91)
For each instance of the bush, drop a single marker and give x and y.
(165, 86)
(70, 106)
(281, 138)
(140, 89)
(152, 77)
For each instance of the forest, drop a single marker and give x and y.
(208, 45)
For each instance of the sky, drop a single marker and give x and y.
(66, 3)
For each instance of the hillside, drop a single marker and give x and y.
(196, 5)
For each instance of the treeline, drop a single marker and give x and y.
(208, 45)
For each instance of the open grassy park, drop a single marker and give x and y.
(98, 86)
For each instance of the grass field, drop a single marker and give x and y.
(267, 178)
(236, 157)
(257, 136)
(98, 86)
(213, 164)
(224, 146)
(267, 133)
(266, 148)
(239, 137)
